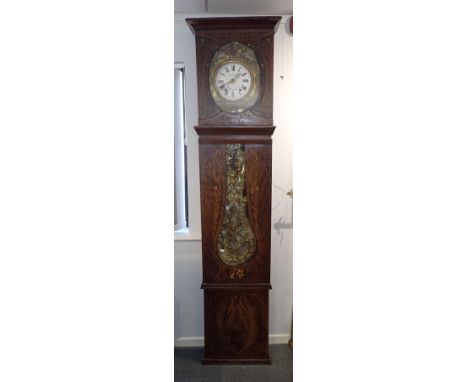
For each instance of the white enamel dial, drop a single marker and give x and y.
(233, 81)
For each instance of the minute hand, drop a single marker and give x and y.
(232, 80)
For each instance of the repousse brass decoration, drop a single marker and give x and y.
(235, 52)
(236, 240)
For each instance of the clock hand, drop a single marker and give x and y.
(232, 80)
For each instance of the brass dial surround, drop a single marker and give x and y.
(235, 53)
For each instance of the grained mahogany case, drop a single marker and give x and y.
(235, 152)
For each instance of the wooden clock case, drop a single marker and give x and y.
(235, 296)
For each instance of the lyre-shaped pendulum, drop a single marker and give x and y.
(236, 240)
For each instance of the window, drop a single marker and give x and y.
(180, 151)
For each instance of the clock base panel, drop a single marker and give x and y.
(236, 325)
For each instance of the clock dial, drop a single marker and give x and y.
(234, 76)
(233, 81)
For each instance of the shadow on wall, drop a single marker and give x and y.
(281, 224)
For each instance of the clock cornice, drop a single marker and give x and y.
(233, 23)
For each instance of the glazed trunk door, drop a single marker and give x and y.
(236, 212)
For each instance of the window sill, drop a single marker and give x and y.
(186, 235)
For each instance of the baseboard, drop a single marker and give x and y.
(275, 339)
(185, 342)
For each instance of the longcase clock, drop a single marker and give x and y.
(235, 125)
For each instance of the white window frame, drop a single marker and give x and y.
(180, 145)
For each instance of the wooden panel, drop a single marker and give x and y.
(213, 197)
(236, 325)
(258, 184)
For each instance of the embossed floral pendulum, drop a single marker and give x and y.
(236, 240)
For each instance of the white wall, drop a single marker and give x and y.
(272, 7)
(188, 303)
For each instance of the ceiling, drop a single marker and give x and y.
(270, 7)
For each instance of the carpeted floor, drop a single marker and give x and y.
(188, 368)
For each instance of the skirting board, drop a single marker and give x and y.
(184, 342)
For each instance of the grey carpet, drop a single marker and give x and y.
(188, 367)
